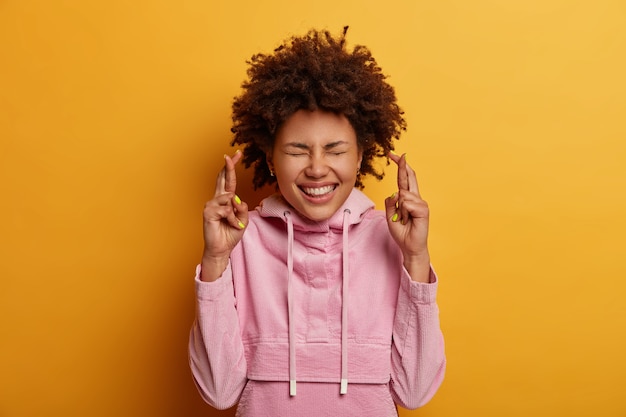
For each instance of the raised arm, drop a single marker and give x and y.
(216, 353)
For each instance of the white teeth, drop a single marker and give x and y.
(319, 191)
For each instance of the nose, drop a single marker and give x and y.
(317, 167)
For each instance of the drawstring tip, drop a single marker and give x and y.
(292, 387)
(344, 386)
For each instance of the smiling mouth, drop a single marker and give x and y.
(318, 191)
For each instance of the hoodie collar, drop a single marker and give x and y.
(357, 203)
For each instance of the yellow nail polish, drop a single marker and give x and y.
(241, 225)
(393, 195)
(237, 199)
(394, 218)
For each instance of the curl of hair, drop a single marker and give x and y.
(315, 71)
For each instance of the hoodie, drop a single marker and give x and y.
(304, 302)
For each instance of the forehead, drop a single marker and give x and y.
(316, 127)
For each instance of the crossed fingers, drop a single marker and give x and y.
(407, 201)
(227, 177)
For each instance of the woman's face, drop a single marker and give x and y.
(315, 159)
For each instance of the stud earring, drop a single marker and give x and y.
(271, 172)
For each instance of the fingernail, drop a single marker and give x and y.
(393, 153)
(237, 199)
(394, 218)
(393, 195)
(241, 225)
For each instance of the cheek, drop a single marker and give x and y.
(349, 169)
(286, 170)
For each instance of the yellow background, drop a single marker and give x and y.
(114, 117)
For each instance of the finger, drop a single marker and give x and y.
(234, 221)
(218, 207)
(224, 209)
(230, 179)
(404, 213)
(238, 216)
(394, 157)
(403, 179)
(412, 180)
(241, 209)
(220, 183)
(237, 156)
(413, 206)
(390, 207)
(407, 179)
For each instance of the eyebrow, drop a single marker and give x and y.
(328, 146)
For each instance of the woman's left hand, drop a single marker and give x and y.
(407, 217)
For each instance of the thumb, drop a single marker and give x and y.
(390, 207)
(242, 210)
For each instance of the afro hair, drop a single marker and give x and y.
(315, 71)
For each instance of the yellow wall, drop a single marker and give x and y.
(114, 116)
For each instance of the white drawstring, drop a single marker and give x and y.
(290, 307)
(344, 305)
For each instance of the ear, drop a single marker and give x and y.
(268, 158)
(360, 156)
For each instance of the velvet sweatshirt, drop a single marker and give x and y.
(316, 318)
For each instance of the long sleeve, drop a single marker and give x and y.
(216, 353)
(417, 356)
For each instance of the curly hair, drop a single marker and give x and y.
(315, 71)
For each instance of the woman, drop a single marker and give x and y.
(315, 291)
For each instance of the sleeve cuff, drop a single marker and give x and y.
(421, 292)
(213, 290)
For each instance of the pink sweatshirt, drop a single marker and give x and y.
(316, 318)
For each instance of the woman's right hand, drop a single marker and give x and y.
(225, 220)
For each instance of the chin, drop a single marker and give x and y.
(318, 215)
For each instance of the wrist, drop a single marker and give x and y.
(418, 266)
(213, 267)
